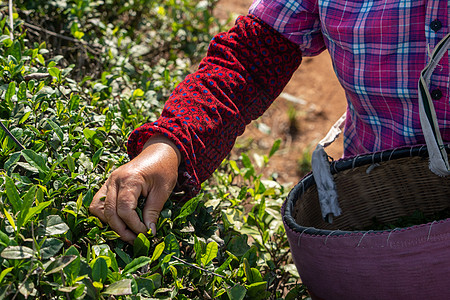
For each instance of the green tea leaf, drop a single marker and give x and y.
(34, 211)
(124, 256)
(56, 129)
(119, 288)
(211, 252)
(73, 269)
(55, 72)
(74, 102)
(225, 264)
(11, 91)
(10, 218)
(114, 265)
(27, 202)
(50, 248)
(35, 160)
(138, 93)
(17, 252)
(275, 147)
(59, 264)
(256, 275)
(12, 161)
(4, 238)
(171, 244)
(70, 163)
(28, 198)
(248, 271)
(92, 137)
(189, 207)
(257, 290)
(13, 194)
(31, 85)
(246, 161)
(141, 245)
(54, 225)
(158, 251)
(5, 272)
(145, 286)
(100, 270)
(136, 264)
(237, 292)
(108, 121)
(96, 156)
(22, 92)
(24, 117)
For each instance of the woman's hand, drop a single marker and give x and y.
(152, 174)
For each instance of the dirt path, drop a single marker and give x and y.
(324, 102)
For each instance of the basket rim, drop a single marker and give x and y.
(341, 165)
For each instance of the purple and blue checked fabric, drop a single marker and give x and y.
(378, 49)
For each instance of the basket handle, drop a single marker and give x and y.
(430, 128)
(326, 187)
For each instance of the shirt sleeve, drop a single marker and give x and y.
(245, 69)
(297, 20)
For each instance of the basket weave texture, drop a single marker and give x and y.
(344, 261)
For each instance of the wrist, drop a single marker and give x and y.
(163, 141)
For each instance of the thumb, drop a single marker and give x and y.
(153, 206)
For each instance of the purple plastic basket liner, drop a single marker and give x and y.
(403, 263)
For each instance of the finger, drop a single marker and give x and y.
(127, 200)
(153, 206)
(112, 218)
(97, 205)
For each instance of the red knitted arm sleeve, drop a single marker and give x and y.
(245, 69)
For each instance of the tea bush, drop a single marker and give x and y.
(77, 77)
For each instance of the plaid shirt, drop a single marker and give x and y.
(378, 49)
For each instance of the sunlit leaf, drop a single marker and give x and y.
(119, 288)
(17, 252)
(158, 251)
(10, 218)
(141, 245)
(54, 225)
(211, 252)
(55, 72)
(5, 272)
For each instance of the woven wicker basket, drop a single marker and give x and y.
(342, 261)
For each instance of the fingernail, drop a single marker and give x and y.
(153, 228)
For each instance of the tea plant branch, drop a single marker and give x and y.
(282, 257)
(91, 47)
(194, 266)
(36, 76)
(11, 136)
(64, 283)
